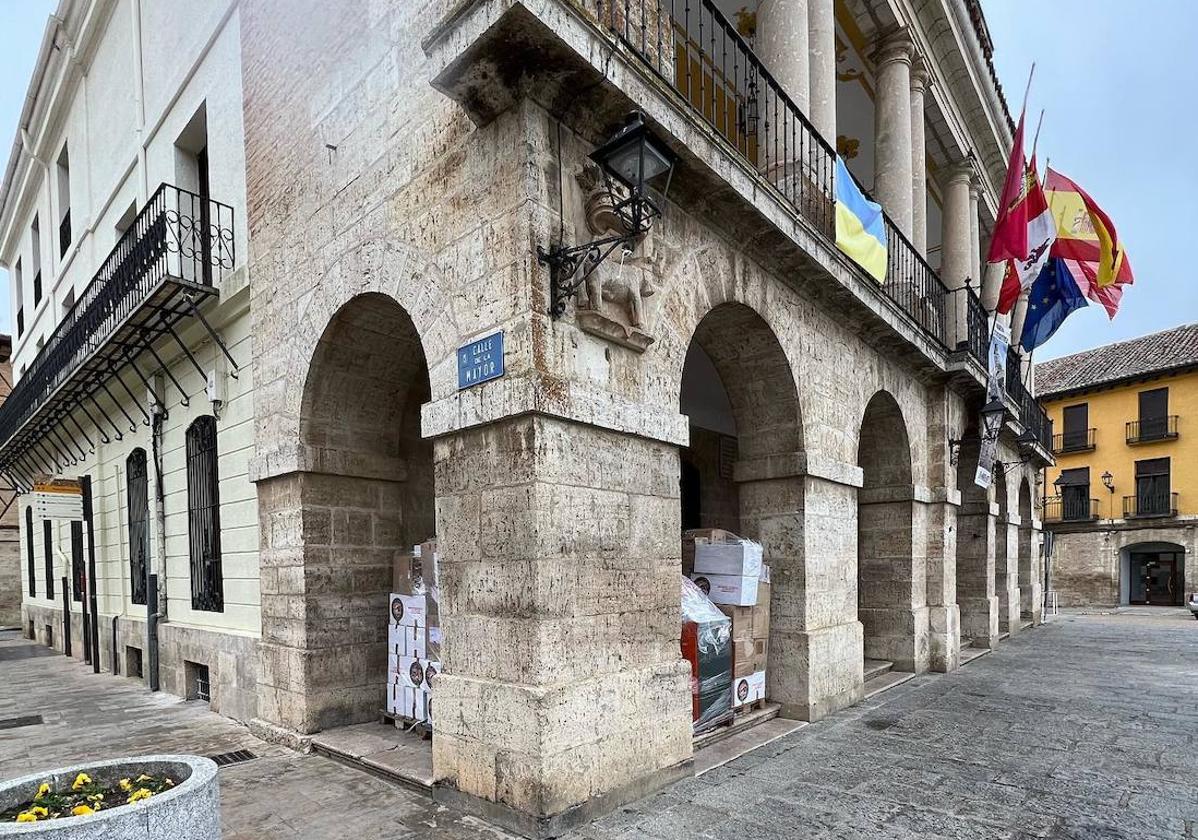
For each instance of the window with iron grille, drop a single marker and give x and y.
(29, 550)
(203, 516)
(139, 522)
(48, 533)
(77, 579)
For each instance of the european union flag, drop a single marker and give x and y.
(1053, 295)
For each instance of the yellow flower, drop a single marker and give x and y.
(81, 780)
(26, 817)
(96, 797)
(126, 785)
(42, 790)
(139, 794)
(38, 810)
(81, 811)
(144, 778)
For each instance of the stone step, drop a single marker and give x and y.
(741, 722)
(876, 667)
(732, 747)
(393, 754)
(1002, 637)
(886, 680)
(968, 654)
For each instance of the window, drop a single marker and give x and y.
(139, 517)
(1154, 413)
(203, 516)
(191, 174)
(1077, 427)
(35, 262)
(63, 176)
(78, 575)
(1153, 497)
(48, 533)
(1075, 493)
(19, 294)
(29, 550)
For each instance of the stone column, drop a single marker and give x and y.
(821, 33)
(919, 159)
(976, 519)
(1018, 316)
(1031, 598)
(892, 129)
(1006, 573)
(955, 248)
(975, 234)
(944, 616)
(782, 38)
(991, 287)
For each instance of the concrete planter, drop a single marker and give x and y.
(189, 811)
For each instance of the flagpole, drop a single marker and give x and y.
(1036, 139)
(1028, 89)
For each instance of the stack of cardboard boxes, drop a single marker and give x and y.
(414, 635)
(731, 573)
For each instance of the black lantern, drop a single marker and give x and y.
(630, 161)
(1108, 481)
(992, 417)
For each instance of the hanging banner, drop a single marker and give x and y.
(60, 498)
(996, 381)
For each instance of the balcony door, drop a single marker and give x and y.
(1075, 494)
(1076, 421)
(1153, 492)
(1154, 413)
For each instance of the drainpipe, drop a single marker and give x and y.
(156, 596)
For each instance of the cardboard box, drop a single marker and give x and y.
(761, 654)
(742, 651)
(406, 640)
(764, 576)
(737, 559)
(434, 643)
(728, 589)
(696, 535)
(742, 620)
(742, 669)
(411, 672)
(408, 610)
(760, 611)
(748, 689)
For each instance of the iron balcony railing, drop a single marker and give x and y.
(973, 331)
(1152, 503)
(1148, 429)
(180, 240)
(1070, 509)
(1077, 440)
(64, 233)
(702, 56)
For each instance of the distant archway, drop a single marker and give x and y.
(1153, 574)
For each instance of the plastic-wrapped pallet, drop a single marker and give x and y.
(707, 645)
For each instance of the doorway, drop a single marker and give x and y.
(1155, 578)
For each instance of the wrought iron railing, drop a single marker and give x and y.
(698, 52)
(177, 235)
(64, 233)
(1077, 440)
(970, 325)
(1148, 429)
(1153, 503)
(1070, 509)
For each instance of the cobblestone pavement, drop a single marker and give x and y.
(1085, 728)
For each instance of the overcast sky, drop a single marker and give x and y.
(1117, 80)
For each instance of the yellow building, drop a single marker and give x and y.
(1122, 500)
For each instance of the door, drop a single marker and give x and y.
(1153, 491)
(1076, 421)
(1075, 494)
(1161, 581)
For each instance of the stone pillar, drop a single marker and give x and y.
(1006, 573)
(1031, 597)
(560, 563)
(919, 159)
(975, 235)
(991, 287)
(944, 616)
(955, 248)
(892, 129)
(1018, 316)
(976, 520)
(782, 38)
(821, 34)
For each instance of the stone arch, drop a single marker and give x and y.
(739, 392)
(976, 527)
(360, 492)
(891, 589)
(1153, 572)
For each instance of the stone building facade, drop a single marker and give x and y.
(1123, 496)
(10, 551)
(403, 163)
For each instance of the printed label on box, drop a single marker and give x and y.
(728, 589)
(748, 689)
(408, 610)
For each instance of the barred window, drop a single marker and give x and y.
(29, 550)
(48, 533)
(203, 516)
(77, 574)
(139, 522)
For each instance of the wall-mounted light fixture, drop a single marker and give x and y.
(1108, 481)
(630, 161)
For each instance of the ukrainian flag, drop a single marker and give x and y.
(860, 229)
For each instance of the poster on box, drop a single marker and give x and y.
(408, 610)
(411, 672)
(748, 689)
(728, 589)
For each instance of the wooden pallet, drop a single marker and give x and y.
(410, 724)
(752, 706)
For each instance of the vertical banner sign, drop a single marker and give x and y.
(987, 453)
(1000, 340)
(480, 360)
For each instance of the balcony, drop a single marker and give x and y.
(1081, 440)
(1070, 509)
(64, 234)
(1148, 429)
(159, 271)
(1147, 505)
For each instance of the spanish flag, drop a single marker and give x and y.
(1087, 242)
(860, 226)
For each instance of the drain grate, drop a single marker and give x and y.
(235, 757)
(17, 722)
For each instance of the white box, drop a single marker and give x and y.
(764, 577)
(732, 590)
(748, 689)
(411, 672)
(394, 698)
(408, 610)
(406, 640)
(737, 559)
